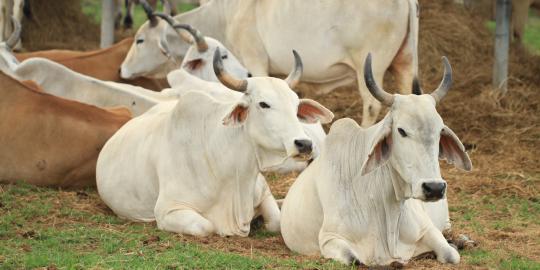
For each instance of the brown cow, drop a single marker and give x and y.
(50, 141)
(102, 64)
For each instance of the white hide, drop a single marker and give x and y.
(171, 165)
(334, 210)
(61, 81)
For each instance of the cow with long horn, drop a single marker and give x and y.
(170, 165)
(376, 196)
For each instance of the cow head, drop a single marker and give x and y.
(413, 137)
(199, 57)
(271, 114)
(147, 56)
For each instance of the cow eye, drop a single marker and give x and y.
(139, 41)
(402, 132)
(264, 105)
(224, 57)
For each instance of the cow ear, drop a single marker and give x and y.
(237, 116)
(451, 149)
(381, 149)
(310, 111)
(163, 45)
(193, 64)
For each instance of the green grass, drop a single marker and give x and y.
(92, 8)
(42, 227)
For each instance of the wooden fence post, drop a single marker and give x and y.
(502, 44)
(107, 23)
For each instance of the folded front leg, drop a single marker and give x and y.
(185, 222)
(267, 206)
(338, 249)
(436, 241)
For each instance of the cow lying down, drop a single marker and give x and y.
(191, 165)
(50, 141)
(376, 195)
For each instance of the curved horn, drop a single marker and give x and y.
(149, 13)
(376, 92)
(294, 77)
(225, 78)
(446, 82)
(170, 20)
(202, 46)
(15, 36)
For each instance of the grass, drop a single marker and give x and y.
(92, 8)
(42, 227)
(531, 38)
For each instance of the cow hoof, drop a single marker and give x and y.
(450, 255)
(353, 259)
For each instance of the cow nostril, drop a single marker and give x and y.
(426, 187)
(303, 146)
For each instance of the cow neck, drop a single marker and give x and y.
(372, 197)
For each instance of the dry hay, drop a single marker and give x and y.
(58, 24)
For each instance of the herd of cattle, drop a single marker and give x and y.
(190, 157)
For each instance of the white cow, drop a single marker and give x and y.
(333, 38)
(376, 195)
(191, 165)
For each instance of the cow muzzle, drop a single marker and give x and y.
(433, 191)
(304, 148)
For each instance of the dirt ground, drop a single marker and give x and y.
(501, 132)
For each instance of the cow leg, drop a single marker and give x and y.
(520, 15)
(267, 206)
(185, 222)
(128, 20)
(371, 107)
(339, 250)
(434, 240)
(403, 70)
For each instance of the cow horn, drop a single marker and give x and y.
(202, 46)
(376, 92)
(294, 77)
(166, 17)
(226, 78)
(15, 36)
(446, 82)
(149, 13)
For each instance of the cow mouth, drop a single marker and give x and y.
(303, 157)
